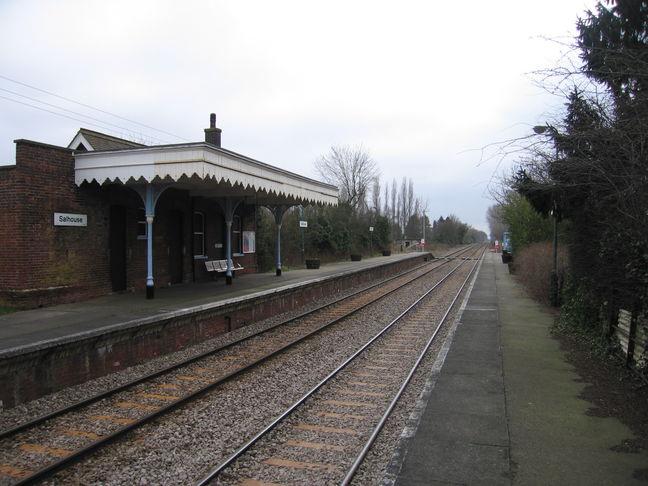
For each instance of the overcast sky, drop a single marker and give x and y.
(421, 85)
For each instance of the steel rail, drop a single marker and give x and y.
(213, 473)
(119, 388)
(83, 451)
(363, 453)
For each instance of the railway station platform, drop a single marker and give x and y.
(502, 405)
(46, 349)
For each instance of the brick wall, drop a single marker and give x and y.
(42, 264)
(10, 250)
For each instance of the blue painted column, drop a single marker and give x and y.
(278, 250)
(228, 250)
(278, 212)
(149, 210)
(150, 195)
(229, 205)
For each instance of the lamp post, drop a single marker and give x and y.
(553, 284)
(302, 224)
(554, 297)
(423, 240)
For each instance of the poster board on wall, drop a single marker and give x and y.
(249, 242)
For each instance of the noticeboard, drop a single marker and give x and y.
(249, 242)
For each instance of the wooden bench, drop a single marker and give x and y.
(221, 266)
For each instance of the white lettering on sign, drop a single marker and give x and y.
(65, 219)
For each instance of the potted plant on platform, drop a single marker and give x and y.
(312, 263)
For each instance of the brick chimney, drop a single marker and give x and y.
(213, 134)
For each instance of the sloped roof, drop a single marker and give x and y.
(204, 169)
(89, 140)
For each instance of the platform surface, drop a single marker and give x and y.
(503, 406)
(24, 330)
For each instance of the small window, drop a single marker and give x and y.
(198, 234)
(237, 244)
(142, 227)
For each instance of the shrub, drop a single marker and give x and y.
(533, 267)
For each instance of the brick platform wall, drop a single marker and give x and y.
(30, 375)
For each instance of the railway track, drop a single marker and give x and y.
(325, 435)
(39, 448)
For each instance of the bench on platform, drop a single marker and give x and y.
(221, 266)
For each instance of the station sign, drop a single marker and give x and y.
(67, 219)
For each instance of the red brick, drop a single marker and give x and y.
(42, 264)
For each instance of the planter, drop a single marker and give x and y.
(386, 252)
(355, 257)
(312, 263)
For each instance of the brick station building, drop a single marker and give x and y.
(107, 215)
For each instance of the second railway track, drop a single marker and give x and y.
(163, 393)
(324, 437)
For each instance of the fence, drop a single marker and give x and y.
(631, 330)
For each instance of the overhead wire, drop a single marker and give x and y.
(103, 127)
(80, 104)
(54, 112)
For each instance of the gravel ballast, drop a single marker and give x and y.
(181, 446)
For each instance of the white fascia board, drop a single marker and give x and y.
(80, 139)
(203, 160)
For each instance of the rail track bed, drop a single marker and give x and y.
(173, 426)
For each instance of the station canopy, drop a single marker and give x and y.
(202, 168)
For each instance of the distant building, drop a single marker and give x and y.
(107, 215)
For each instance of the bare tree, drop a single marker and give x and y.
(394, 214)
(394, 204)
(496, 223)
(402, 200)
(351, 169)
(375, 196)
(387, 209)
(406, 202)
(410, 198)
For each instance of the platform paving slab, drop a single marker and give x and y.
(553, 439)
(99, 315)
(504, 408)
(462, 437)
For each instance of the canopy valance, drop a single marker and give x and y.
(202, 168)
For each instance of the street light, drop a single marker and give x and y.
(553, 282)
(302, 224)
(423, 240)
